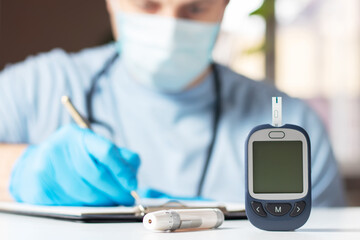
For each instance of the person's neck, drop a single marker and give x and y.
(200, 78)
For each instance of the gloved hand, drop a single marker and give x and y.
(75, 167)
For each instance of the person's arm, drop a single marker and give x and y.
(14, 100)
(327, 184)
(20, 85)
(8, 155)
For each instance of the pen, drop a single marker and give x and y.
(80, 120)
(83, 123)
(171, 220)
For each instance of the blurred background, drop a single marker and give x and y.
(309, 49)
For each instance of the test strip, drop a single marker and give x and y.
(277, 111)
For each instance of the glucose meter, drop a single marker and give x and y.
(278, 176)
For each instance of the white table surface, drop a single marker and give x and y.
(341, 223)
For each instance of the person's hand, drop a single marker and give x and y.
(75, 167)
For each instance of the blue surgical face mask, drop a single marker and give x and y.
(163, 53)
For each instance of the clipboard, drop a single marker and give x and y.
(232, 211)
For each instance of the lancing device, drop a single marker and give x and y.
(171, 220)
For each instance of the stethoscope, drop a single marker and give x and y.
(216, 113)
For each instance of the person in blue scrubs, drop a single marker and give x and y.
(152, 99)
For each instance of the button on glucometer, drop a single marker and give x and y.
(298, 209)
(258, 209)
(278, 209)
(276, 134)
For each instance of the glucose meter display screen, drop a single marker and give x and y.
(277, 167)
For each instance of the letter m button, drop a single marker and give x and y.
(278, 209)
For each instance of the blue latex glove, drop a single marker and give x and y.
(75, 167)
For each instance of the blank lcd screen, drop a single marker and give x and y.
(277, 167)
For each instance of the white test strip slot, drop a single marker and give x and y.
(277, 111)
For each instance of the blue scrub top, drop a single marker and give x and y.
(171, 132)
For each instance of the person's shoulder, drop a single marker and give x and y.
(36, 61)
(88, 60)
(59, 66)
(237, 86)
(35, 71)
(255, 96)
